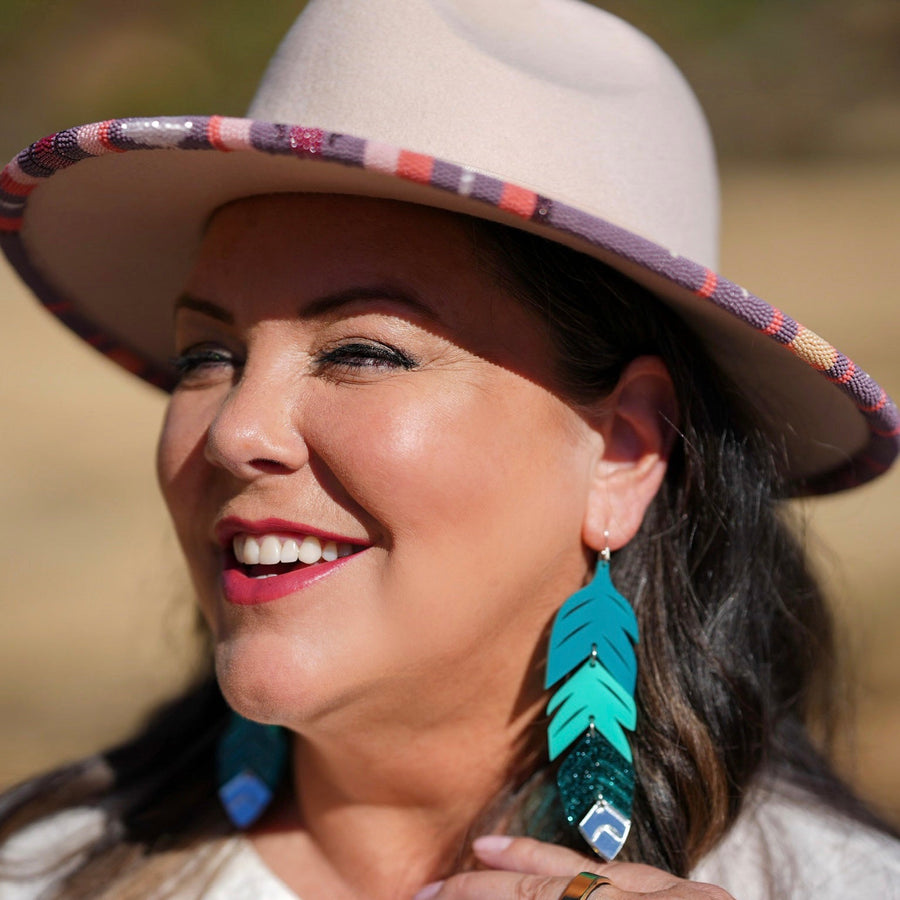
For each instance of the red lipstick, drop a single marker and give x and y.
(249, 585)
(228, 527)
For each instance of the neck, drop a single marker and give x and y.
(397, 809)
(393, 807)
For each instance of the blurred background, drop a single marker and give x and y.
(804, 101)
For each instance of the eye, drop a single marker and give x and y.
(364, 355)
(202, 361)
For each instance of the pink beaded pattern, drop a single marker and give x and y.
(217, 133)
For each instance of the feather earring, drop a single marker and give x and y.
(592, 642)
(250, 762)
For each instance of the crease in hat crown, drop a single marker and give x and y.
(554, 95)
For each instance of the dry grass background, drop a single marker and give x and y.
(96, 611)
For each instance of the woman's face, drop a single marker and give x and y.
(358, 389)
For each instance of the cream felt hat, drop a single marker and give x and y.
(548, 115)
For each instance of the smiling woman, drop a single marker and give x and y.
(478, 469)
(346, 370)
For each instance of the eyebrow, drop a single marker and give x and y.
(333, 302)
(321, 306)
(207, 307)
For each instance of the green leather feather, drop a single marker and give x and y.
(591, 697)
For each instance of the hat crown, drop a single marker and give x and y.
(553, 95)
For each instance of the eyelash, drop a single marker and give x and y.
(195, 358)
(358, 355)
(366, 355)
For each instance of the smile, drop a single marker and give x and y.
(262, 564)
(274, 549)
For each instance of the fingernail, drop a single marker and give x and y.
(429, 891)
(492, 843)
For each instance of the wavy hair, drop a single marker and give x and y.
(737, 660)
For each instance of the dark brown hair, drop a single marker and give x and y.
(737, 661)
(736, 657)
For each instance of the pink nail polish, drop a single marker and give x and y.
(429, 891)
(492, 843)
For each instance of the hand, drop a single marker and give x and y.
(525, 869)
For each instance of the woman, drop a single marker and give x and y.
(428, 405)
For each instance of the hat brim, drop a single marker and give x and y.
(103, 220)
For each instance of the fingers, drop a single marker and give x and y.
(496, 885)
(514, 886)
(532, 857)
(529, 856)
(526, 869)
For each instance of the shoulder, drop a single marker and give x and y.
(43, 853)
(787, 845)
(46, 851)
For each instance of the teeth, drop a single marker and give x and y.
(310, 550)
(289, 551)
(250, 554)
(270, 549)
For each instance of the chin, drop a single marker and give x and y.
(266, 679)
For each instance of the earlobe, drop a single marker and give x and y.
(637, 431)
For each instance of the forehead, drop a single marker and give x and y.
(275, 255)
(306, 234)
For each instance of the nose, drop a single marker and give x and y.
(256, 430)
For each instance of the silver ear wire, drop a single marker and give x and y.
(604, 553)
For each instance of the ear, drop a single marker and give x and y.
(637, 425)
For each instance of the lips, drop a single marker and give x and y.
(269, 559)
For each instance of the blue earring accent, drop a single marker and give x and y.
(592, 642)
(250, 762)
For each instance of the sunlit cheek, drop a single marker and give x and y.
(431, 461)
(421, 452)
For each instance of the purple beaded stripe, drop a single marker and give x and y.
(217, 133)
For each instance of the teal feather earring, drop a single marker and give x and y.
(250, 762)
(592, 642)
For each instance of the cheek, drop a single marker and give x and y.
(455, 462)
(480, 493)
(397, 453)
(180, 464)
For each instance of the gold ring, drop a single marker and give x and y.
(583, 885)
